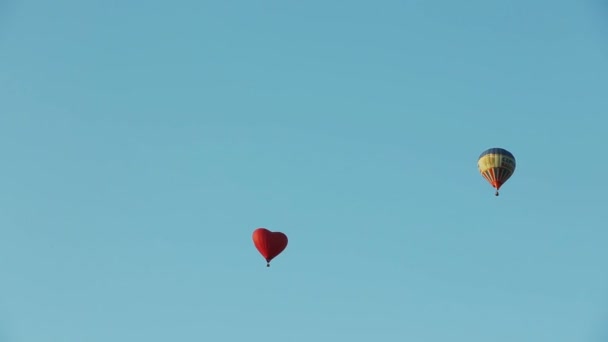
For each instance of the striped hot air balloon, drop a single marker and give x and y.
(496, 165)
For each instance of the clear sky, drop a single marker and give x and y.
(142, 142)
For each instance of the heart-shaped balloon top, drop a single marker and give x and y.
(269, 244)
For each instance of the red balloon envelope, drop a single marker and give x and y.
(269, 244)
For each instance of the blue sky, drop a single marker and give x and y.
(144, 142)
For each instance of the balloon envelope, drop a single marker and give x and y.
(269, 244)
(496, 165)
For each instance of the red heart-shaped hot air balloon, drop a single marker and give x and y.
(269, 244)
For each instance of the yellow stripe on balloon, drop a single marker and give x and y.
(490, 161)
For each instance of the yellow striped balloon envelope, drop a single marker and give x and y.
(496, 165)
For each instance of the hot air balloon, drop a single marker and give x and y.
(496, 165)
(269, 244)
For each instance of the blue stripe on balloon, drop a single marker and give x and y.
(497, 150)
